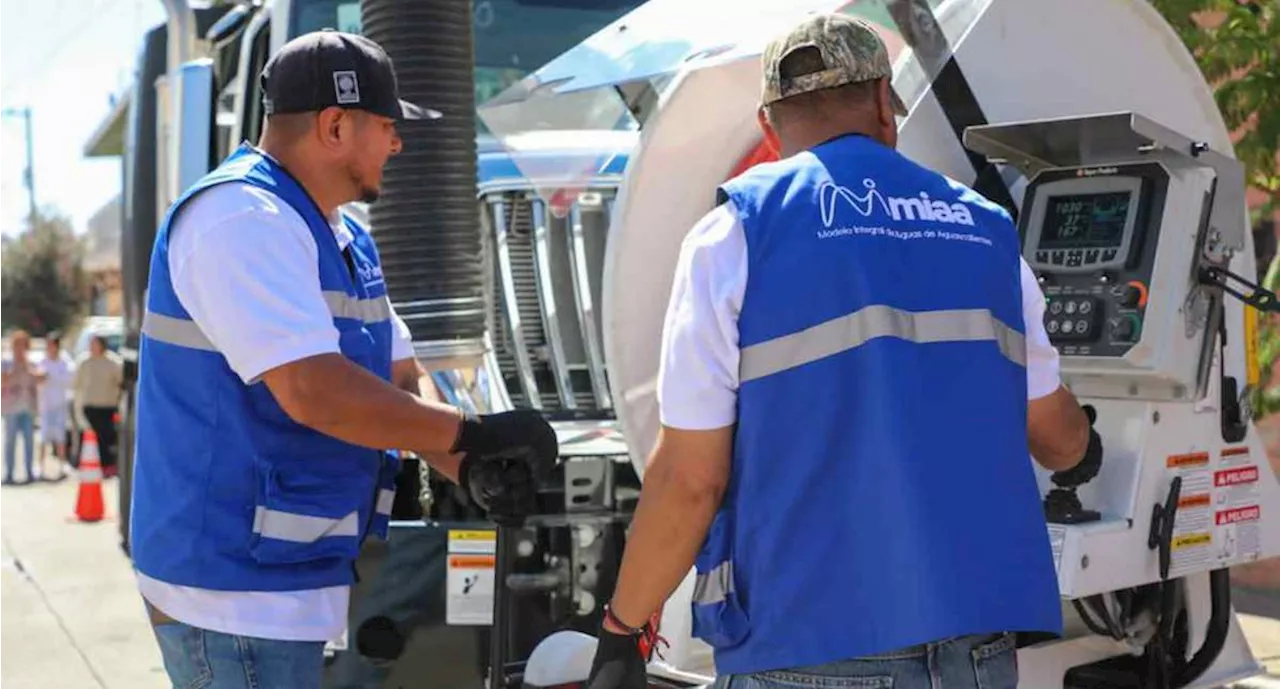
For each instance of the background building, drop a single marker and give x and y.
(102, 260)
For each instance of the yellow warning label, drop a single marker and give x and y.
(1252, 374)
(1191, 540)
(472, 535)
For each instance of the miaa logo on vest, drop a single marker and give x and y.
(370, 274)
(919, 207)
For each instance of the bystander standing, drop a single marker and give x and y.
(19, 401)
(98, 382)
(57, 372)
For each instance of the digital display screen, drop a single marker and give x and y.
(1085, 221)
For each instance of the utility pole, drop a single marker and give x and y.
(29, 175)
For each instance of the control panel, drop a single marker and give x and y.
(1090, 235)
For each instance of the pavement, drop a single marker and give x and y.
(72, 618)
(1259, 615)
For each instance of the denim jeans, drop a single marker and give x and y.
(200, 659)
(15, 423)
(970, 662)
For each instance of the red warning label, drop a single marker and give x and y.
(1240, 514)
(1235, 451)
(1235, 477)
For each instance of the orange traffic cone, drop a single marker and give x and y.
(89, 504)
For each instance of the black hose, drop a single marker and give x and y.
(1099, 606)
(1216, 633)
(427, 221)
(1088, 620)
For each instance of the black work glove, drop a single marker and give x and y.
(1089, 465)
(618, 663)
(505, 456)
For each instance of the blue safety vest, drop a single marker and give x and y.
(881, 493)
(229, 493)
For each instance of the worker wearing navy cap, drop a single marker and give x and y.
(277, 384)
(854, 368)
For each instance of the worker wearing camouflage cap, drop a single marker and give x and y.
(853, 370)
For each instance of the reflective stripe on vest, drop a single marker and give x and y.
(386, 498)
(275, 497)
(713, 586)
(343, 305)
(276, 524)
(185, 333)
(718, 615)
(843, 334)
(856, 492)
(848, 332)
(304, 528)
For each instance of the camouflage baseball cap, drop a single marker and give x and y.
(851, 52)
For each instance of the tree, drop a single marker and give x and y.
(44, 285)
(1234, 43)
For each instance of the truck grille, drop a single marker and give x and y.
(544, 312)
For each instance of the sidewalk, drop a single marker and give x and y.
(1263, 634)
(72, 617)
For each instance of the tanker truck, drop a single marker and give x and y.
(1038, 105)
(555, 298)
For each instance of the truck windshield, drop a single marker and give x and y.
(512, 37)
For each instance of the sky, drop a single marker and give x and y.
(65, 59)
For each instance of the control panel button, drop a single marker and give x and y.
(1091, 256)
(1073, 318)
(1042, 257)
(1130, 296)
(1075, 258)
(1124, 330)
(1109, 255)
(1058, 257)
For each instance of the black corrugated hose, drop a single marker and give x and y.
(427, 221)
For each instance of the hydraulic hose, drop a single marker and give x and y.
(1216, 633)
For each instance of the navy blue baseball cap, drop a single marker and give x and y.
(325, 69)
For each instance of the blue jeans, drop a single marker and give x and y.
(15, 423)
(970, 662)
(200, 659)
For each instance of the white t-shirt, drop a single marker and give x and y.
(698, 371)
(56, 388)
(243, 264)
